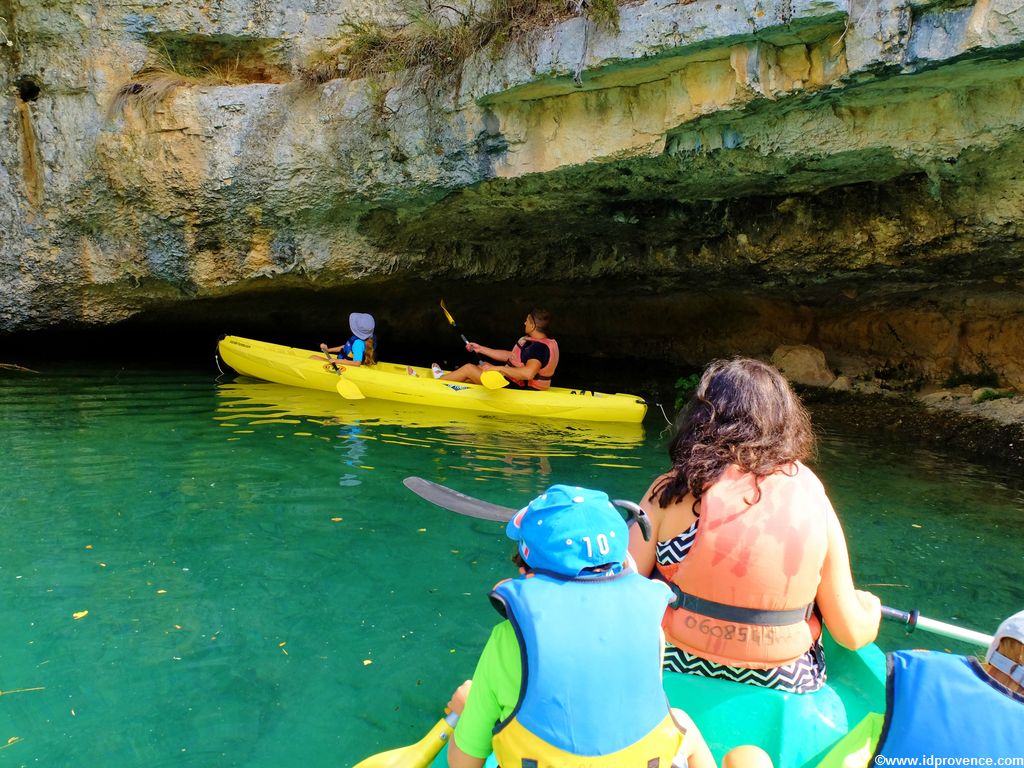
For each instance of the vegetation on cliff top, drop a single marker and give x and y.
(440, 38)
(178, 60)
(433, 37)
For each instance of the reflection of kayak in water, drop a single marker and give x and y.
(260, 402)
(796, 730)
(392, 382)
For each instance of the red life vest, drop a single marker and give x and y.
(543, 378)
(763, 558)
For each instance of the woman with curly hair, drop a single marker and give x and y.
(746, 537)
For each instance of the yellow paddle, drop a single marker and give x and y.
(418, 755)
(349, 389)
(490, 379)
(493, 380)
(451, 322)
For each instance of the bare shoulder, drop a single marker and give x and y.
(647, 502)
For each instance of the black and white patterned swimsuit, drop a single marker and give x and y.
(804, 675)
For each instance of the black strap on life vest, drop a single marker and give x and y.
(735, 613)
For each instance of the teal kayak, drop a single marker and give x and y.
(796, 730)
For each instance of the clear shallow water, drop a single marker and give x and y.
(262, 591)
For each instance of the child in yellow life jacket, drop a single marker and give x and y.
(586, 627)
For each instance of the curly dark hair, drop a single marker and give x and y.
(743, 413)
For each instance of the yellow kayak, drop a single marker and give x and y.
(391, 381)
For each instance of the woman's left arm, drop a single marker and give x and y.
(851, 615)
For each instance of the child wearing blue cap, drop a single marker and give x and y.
(580, 646)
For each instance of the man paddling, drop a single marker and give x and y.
(530, 364)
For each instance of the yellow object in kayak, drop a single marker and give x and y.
(418, 755)
(855, 749)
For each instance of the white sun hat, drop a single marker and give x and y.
(1013, 628)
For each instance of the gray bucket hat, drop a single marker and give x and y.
(361, 324)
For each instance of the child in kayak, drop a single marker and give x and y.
(360, 349)
(956, 710)
(586, 628)
(746, 537)
(530, 364)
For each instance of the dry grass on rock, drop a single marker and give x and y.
(440, 38)
(188, 61)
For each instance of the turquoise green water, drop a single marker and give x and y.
(254, 587)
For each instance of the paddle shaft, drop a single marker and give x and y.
(451, 322)
(347, 389)
(914, 620)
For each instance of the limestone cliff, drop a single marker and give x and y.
(723, 177)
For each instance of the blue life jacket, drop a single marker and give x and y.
(591, 691)
(346, 350)
(943, 705)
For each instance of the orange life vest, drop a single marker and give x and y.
(543, 378)
(762, 558)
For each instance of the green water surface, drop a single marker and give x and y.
(202, 573)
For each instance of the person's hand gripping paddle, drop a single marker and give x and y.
(490, 379)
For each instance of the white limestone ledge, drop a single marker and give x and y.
(652, 37)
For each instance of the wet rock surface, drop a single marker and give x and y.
(976, 433)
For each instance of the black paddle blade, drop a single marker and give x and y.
(452, 500)
(460, 503)
(633, 513)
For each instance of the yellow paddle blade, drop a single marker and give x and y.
(451, 320)
(418, 755)
(493, 380)
(349, 389)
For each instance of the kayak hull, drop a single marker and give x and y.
(796, 730)
(391, 381)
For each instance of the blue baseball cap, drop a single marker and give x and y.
(568, 529)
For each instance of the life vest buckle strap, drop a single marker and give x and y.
(740, 615)
(1012, 669)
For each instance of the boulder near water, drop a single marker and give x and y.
(803, 364)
